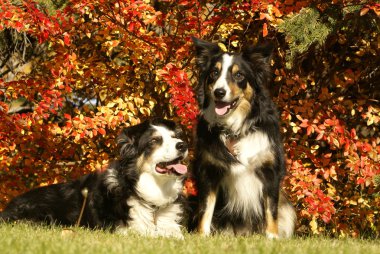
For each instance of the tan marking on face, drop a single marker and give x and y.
(218, 65)
(235, 68)
(243, 108)
(142, 163)
(248, 92)
(235, 89)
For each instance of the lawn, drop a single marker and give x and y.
(24, 238)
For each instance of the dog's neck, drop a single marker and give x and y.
(230, 139)
(158, 191)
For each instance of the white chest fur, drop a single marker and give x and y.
(243, 188)
(161, 219)
(159, 190)
(153, 222)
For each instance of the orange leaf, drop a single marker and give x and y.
(102, 131)
(364, 11)
(265, 30)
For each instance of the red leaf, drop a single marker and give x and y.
(320, 135)
(66, 39)
(102, 131)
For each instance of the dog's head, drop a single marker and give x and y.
(156, 146)
(229, 82)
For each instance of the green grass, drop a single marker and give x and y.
(24, 238)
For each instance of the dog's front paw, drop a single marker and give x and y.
(271, 235)
(204, 231)
(178, 236)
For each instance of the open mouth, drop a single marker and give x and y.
(223, 108)
(171, 167)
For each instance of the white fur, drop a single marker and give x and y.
(221, 82)
(254, 149)
(153, 222)
(243, 188)
(156, 214)
(167, 151)
(271, 235)
(286, 221)
(159, 190)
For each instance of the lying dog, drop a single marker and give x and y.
(239, 160)
(141, 191)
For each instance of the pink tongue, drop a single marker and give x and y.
(160, 170)
(221, 111)
(179, 168)
(221, 108)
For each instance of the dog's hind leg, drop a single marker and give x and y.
(204, 226)
(286, 217)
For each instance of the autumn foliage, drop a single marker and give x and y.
(106, 64)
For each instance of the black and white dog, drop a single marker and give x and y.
(239, 159)
(141, 191)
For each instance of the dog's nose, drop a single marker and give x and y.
(181, 146)
(219, 93)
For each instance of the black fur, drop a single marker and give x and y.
(106, 206)
(213, 160)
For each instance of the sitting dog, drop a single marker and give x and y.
(140, 191)
(239, 159)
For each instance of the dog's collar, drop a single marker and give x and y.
(155, 209)
(230, 139)
(151, 205)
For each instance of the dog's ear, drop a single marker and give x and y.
(204, 50)
(259, 54)
(127, 143)
(259, 58)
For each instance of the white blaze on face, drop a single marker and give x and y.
(167, 151)
(222, 82)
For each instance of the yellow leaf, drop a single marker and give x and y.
(103, 95)
(353, 202)
(314, 226)
(111, 104)
(296, 129)
(145, 111)
(222, 46)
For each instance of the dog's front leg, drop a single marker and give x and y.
(271, 213)
(204, 226)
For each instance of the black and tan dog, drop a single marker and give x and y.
(141, 191)
(239, 159)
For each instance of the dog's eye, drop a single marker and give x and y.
(155, 140)
(239, 76)
(214, 74)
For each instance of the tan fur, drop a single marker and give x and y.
(248, 93)
(235, 69)
(272, 223)
(205, 222)
(218, 65)
(209, 157)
